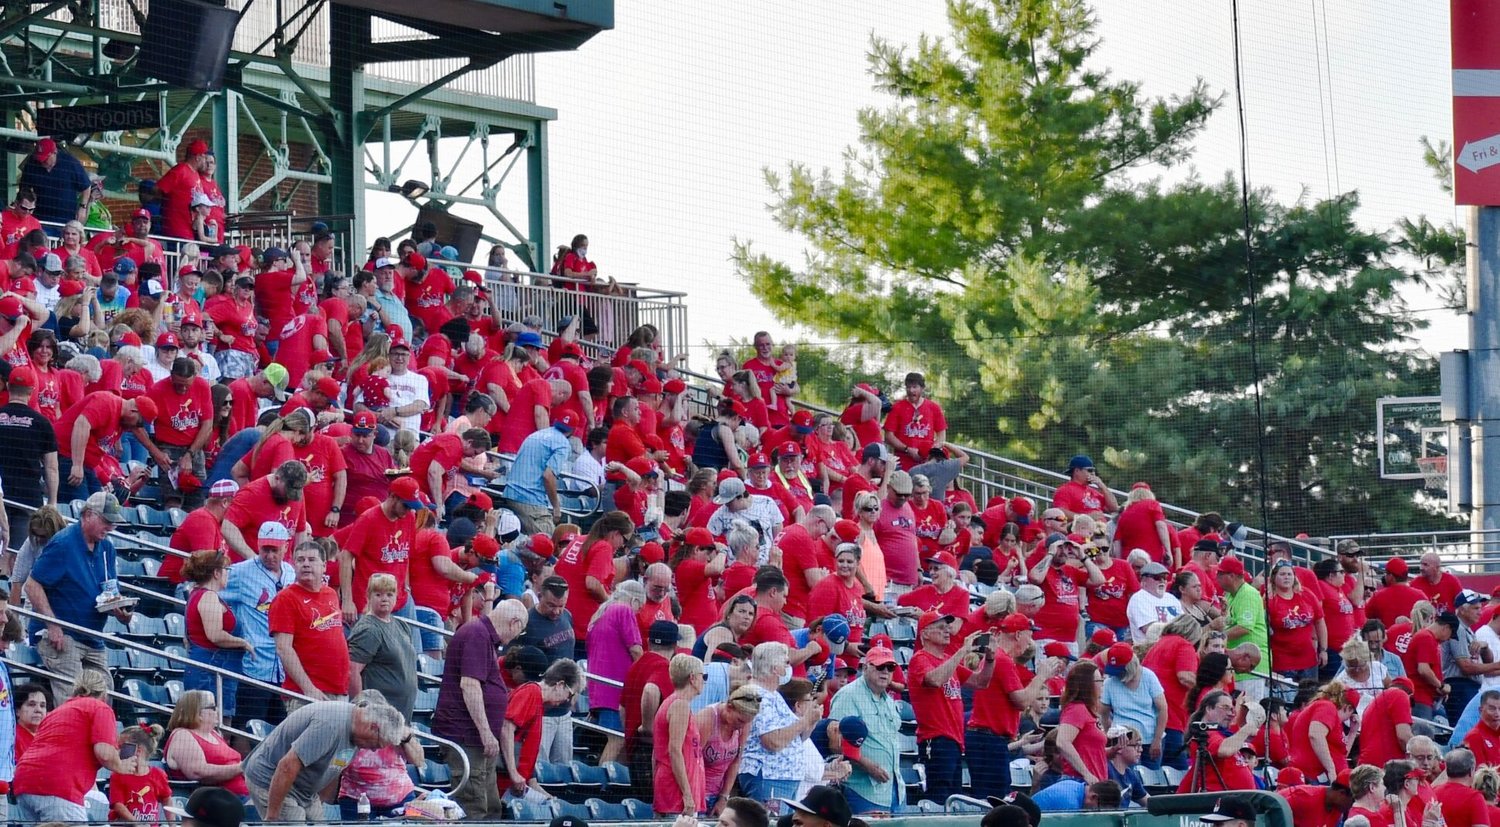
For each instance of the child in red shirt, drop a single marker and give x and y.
(138, 797)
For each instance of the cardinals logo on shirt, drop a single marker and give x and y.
(324, 623)
(1296, 617)
(316, 471)
(293, 326)
(918, 428)
(4, 697)
(1402, 642)
(48, 397)
(186, 417)
(1111, 589)
(17, 357)
(395, 549)
(1345, 607)
(952, 690)
(263, 604)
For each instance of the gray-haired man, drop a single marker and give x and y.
(308, 751)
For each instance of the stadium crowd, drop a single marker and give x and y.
(770, 604)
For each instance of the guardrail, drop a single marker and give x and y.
(520, 293)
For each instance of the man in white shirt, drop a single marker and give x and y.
(589, 464)
(409, 395)
(737, 503)
(1488, 635)
(1152, 604)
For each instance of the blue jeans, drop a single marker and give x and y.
(409, 611)
(1172, 752)
(989, 762)
(131, 450)
(767, 790)
(431, 641)
(1335, 663)
(945, 774)
(67, 492)
(859, 804)
(194, 678)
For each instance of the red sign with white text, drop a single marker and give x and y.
(1476, 102)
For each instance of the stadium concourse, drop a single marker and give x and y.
(282, 520)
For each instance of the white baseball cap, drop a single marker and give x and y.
(274, 532)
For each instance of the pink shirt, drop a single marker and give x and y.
(378, 773)
(609, 642)
(896, 531)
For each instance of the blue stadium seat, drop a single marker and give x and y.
(554, 778)
(618, 775)
(145, 627)
(902, 631)
(116, 658)
(1154, 780)
(927, 805)
(426, 701)
(428, 665)
(915, 781)
(1020, 775)
(588, 779)
(877, 627)
(146, 664)
(151, 566)
(1174, 776)
(601, 810)
(141, 691)
(568, 808)
(129, 568)
(908, 744)
(903, 656)
(174, 690)
(23, 654)
(175, 624)
(522, 810)
(638, 809)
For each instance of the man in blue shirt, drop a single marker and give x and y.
(60, 183)
(252, 585)
(1073, 794)
(75, 567)
(532, 482)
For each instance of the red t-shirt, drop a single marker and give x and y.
(1077, 498)
(177, 189)
(700, 609)
(1292, 622)
(60, 761)
(429, 588)
(1391, 602)
(179, 417)
(380, 545)
(930, 522)
(232, 318)
(939, 709)
(575, 564)
(1136, 529)
(524, 711)
(324, 460)
(769, 626)
(800, 553)
(1108, 601)
(425, 297)
(833, 597)
(297, 345)
(102, 410)
(1462, 804)
(1441, 593)
(447, 450)
(652, 611)
(1171, 655)
(14, 227)
(1484, 742)
(1377, 727)
(273, 298)
(1310, 806)
(866, 431)
(1302, 756)
(1338, 614)
(1060, 615)
(955, 601)
(1237, 770)
(254, 505)
(894, 532)
(916, 426)
(520, 421)
(853, 487)
(765, 377)
(199, 532)
(142, 795)
(1089, 742)
(56, 391)
(316, 624)
(1423, 648)
(649, 668)
(993, 710)
(737, 578)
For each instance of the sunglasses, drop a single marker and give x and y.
(886, 667)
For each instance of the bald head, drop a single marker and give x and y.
(1432, 566)
(509, 619)
(1244, 657)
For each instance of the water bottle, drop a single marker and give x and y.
(362, 809)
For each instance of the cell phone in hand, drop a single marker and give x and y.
(983, 641)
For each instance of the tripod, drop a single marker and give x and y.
(1203, 759)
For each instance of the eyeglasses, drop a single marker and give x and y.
(1055, 519)
(22, 208)
(210, 706)
(869, 510)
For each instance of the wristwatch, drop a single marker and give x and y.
(335, 509)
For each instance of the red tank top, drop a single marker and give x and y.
(195, 633)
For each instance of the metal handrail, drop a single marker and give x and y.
(219, 672)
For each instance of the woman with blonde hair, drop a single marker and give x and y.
(613, 644)
(286, 436)
(1360, 672)
(70, 243)
(1316, 737)
(871, 558)
(722, 729)
(1142, 524)
(381, 656)
(196, 751)
(1367, 787)
(677, 750)
(43, 524)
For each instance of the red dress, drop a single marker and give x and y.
(668, 794)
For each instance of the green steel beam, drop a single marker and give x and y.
(344, 133)
(538, 184)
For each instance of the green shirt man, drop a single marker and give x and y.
(1246, 613)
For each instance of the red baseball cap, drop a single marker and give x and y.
(485, 546)
(146, 407)
(674, 386)
(846, 530)
(570, 349)
(640, 367)
(652, 552)
(1119, 654)
(1016, 623)
(197, 146)
(1290, 777)
(22, 377)
(72, 287)
(568, 419)
(129, 337)
(321, 357)
(868, 388)
(474, 277)
(1396, 567)
(739, 409)
(1058, 649)
(1021, 506)
(880, 656)
(727, 474)
(481, 501)
(45, 148)
(364, 422)
(188, 482)
(789, 449)
(1404, 683)
(1343, 779)
(541, 545)
(398, 337)
(415, 261)
(944, 558)
(1232, 565)
(698, 536)
(190, 318)
(930, 618)
(650, 385)
(803, 419)
(12, 308)
(139, 214)
(758, 460)
(1103, 637)
(407, 491)
(328, 386)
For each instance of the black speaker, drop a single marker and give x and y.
(185, 43)
(454, 231)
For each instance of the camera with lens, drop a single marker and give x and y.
(1199, 730)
